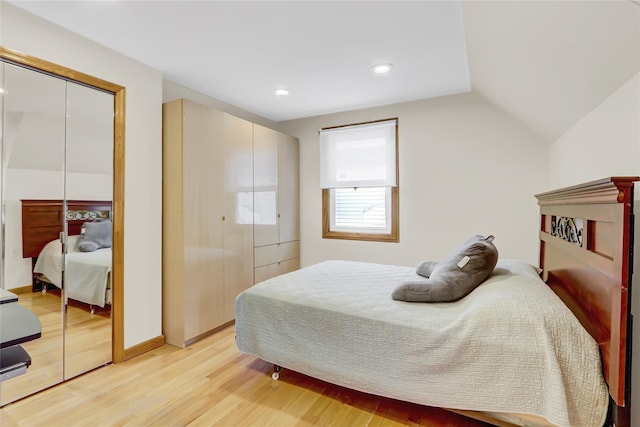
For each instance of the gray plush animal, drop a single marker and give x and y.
(455, 276)
(95, 235)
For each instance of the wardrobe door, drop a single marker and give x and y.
(265, 183)
(238, 204)
(87, 277)
(204, 251)
(288, 189)
(32, 168)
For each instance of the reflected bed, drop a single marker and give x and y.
(88, 275)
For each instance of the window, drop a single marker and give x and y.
(359, 180)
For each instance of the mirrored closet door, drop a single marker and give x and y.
(57, 192)
(89, 229)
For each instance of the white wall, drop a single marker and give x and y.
(603, 143)
(143, 163)
(465, 168)
(606, 142)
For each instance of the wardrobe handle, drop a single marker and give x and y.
(223, 217)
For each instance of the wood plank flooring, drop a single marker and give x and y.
(211, 383)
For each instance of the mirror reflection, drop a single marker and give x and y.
(88, 191)
(57, 160)
(34, 110)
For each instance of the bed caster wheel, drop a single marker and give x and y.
(276, 372)
(93, 310)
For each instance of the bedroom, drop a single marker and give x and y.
(535, 163)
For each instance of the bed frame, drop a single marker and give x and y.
(586, 253)
(43, 220)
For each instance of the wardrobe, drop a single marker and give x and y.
(214, 177)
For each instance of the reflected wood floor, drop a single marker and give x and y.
(87, 340)
(211, 383)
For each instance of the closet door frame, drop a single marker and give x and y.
(117, 268)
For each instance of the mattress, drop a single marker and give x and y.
(511, 346)
(87, 276)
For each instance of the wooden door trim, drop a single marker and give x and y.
(119, 92)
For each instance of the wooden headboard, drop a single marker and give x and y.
(586, 248)
(42, 220)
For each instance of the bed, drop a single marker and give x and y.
(530, 346)
(87, 278)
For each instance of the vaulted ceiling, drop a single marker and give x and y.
(545, 63)
(549, 63)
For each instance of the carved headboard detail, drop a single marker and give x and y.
(586, 255)
(42, 220)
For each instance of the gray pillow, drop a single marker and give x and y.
(87, 246)
(426, 268)
(95, 235)
(455, 276)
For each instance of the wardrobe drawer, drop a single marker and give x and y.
(265, 255)
(289, 250)
(266, 272)
(272, 270)
(289, 265)
(270, 254)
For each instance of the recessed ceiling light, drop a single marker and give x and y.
(382, 68)
(282, 92)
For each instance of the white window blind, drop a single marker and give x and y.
(358, 156)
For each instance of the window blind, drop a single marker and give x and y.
(358, 156)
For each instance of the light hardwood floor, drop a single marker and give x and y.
(211, 383)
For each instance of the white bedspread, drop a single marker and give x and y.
(87, 274)
(509, 346)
